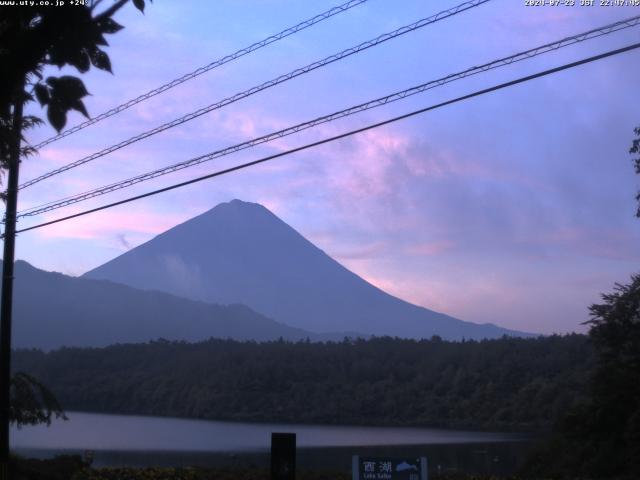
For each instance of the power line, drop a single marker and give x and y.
(342, 135)
(595, 33)
(271, 83)
(215, 64)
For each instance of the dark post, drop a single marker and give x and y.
(7, 285)
(283, 456)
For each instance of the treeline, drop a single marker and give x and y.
(510, 383)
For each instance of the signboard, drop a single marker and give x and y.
(382, 468)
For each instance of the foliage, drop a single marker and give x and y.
(68, 467)
(72, 468)
(62, 467)
(612, 422)
(615, 332)
(635, 149)
(39, 36)
(198, 473)
(31, 402)
(508, 383)
(154, 473)
(32, 38)
(601, 438)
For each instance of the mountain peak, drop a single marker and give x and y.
(237, 203)
(235, 210)
(240, 252)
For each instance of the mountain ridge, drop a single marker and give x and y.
(53, 310)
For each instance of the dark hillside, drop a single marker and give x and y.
(53, 310)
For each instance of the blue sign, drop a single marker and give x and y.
(383, 468)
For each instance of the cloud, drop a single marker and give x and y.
(364, 172)
(430, 248)
(122, 238)
(613, 244)
(370, 250)
(112, 224)
(188, 277)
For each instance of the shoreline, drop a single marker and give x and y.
(475, 457)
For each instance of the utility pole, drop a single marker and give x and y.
(6, 301)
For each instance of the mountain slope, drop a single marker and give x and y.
(240, 252)
(52, 310)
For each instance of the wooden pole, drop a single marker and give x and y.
(6, 301)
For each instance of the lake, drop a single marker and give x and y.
(120, 440)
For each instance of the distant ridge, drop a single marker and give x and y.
(240, 252)
(53, 310)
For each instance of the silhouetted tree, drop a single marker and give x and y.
(614, 415)
(635, 150)
(31, 39)
(34, 37)
(508, 383)
(31, 402)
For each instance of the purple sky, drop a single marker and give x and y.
(514, 208)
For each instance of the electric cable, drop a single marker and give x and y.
(549, 47)
(206, 68)
(271, 83)
(340, 136)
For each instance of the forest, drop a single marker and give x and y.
(505, 384)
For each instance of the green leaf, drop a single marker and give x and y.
(82, 62)
(42, 93)
(100, 40)
(65, 94)
(57, 116)
(139, 4)
(109, 25)
(101, 60)
(32, 403)
(30, 121)
(78, 105)
(69, 87)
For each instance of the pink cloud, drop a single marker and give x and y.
(384, 282)
(612, 244)
(242, 123)
(433, 294)
(430, 248)
(275, 204)
(364, 171)
(370, 250)
(110, 224)
(54, 156)
(442, 162)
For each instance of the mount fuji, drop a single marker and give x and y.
(241, 253)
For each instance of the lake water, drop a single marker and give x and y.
(141, 441)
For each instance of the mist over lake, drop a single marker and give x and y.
(140, 440)
(128, 432)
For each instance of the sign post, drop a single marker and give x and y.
(283, 456)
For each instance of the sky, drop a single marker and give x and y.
(515, 208)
